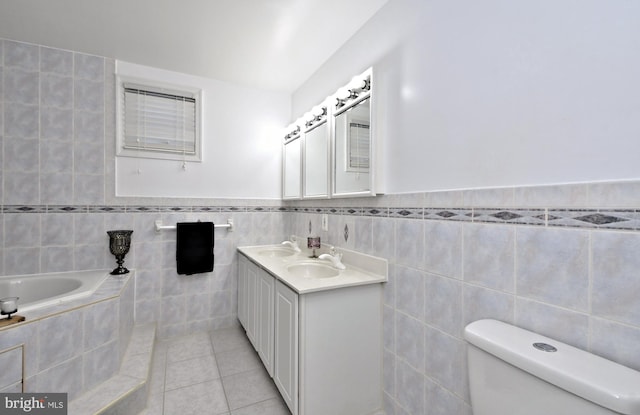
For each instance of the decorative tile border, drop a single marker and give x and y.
(456, 214)
(24, 209)
(143, 209)
(65, 209)
(258, 209)
(407, 213)
(376, 212)
(106, 209)
(232, 209)
(623, 219)
(511, 216)
(612, 219)
(353, 211)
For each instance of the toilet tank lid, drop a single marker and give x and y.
(591, 377)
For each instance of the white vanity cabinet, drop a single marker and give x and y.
(265, 295)
(243, 294)
(251, 288)
(285, 373)
(256, 289)
(340, 351)
(326, 346)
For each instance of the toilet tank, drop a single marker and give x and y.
(508, 375)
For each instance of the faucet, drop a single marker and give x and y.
(293, 243)
(334, 257)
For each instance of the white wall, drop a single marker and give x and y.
(496, 92)
(241, 144)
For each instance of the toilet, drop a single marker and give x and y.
(513, 371)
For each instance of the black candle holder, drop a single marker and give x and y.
(119, 244)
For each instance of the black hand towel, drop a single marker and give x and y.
(194, 247)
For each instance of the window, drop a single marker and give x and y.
(158, 121)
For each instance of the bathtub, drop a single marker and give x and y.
(42, 290)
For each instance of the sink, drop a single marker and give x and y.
(313, 270)
(277, 251)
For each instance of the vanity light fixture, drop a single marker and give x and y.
(291, 131)
(359, 84)
(342, 96)
(309, 118)
(352, 90)
(319, 111)
(317, 114)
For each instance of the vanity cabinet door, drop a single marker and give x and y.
(265, 312)
(252, 317)
(242, 290)
(285, 372)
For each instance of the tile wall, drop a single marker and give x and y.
(559, 260)
(57, 193)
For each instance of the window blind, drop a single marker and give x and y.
(359, 144)
(159, 120)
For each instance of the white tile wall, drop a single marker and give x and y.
(59, 107)
(569, 279)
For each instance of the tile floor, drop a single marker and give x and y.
(217, 373)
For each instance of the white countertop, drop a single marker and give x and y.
(360, 269)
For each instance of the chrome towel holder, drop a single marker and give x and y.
(161, 227)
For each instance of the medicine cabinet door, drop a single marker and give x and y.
(353, 150)
(292, 170)
(316, 162)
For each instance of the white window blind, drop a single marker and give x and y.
(159, 121)
(359, 143)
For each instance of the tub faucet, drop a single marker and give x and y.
(334, 257)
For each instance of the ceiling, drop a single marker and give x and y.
(267, 44)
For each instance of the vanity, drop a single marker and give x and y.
(316, 328)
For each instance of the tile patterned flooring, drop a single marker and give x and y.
(216, 373)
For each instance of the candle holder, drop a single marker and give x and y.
(8, 306)
(119, 244)
(313, 243)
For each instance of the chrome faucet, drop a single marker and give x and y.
(293, 243)
(334, 257)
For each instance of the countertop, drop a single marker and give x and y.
(360, 269)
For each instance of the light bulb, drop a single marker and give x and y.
(318, 111)
(357, 83)
(343, 93)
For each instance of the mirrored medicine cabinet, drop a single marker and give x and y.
(315, 167)
(330, 152)
(352, 158)
(291, 166)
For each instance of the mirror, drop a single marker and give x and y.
(336, 154)
(352, 152)
(291, 171)
(316, 161)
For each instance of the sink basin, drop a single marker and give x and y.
(313, 270)
(277, 251)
